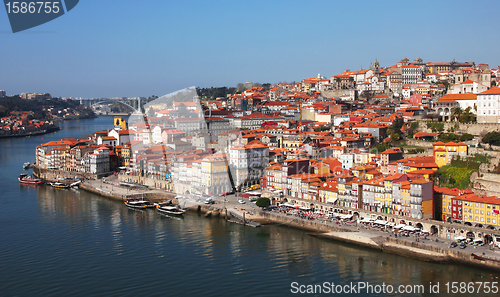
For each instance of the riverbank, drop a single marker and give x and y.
(431, 249)
(35, 133)
(74, 118)
(428, 250)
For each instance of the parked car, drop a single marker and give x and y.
(453, 244)
(478, 243)
(463, 245)
(209, 201)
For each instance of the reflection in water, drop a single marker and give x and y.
(67, 242)
(116, 231)
(206, 250)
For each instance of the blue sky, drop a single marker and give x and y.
(111, 48)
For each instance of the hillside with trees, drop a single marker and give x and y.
(40, 107)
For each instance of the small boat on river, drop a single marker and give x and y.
(27, 165)
(167, 208)
(25, 179)
(59, 185)
(138, 203)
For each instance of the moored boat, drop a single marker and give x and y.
(169, 209)
(138, 203)
(477, 257)
(27, 165)
(59, 185)
(25, 179)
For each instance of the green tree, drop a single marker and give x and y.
(466, 136)
(467, 116)
(456, 113)
(435, 126)
(395, 137)
(395, 127)
(321, 129)
(492, 138)
(263, 202)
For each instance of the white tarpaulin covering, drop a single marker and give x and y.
(408, 228)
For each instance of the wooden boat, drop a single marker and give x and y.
(169, 209)
(59, 185)
(138, 203)
(477, 257)
(25, 179)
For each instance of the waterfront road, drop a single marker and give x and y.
(234, 203)
(368, 232)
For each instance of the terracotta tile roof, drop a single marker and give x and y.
(492, 91)
(468, 96)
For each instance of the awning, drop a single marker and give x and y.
(460, 238)
(380, 222)
(346, 216)
(305, 208)
(399, 226)
(408, 228)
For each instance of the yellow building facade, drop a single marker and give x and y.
(445, 152)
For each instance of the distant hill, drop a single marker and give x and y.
(39, 106)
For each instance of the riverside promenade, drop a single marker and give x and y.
(111, 188)
(427, 249)
(431, 249)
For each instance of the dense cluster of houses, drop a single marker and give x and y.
(19, 123)
(299, 141)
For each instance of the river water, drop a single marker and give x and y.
(73, 243)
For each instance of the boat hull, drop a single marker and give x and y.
(135, 206)
(30, 181)
(173, 212)
(59, 186)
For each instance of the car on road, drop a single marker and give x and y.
(241, 201)
(463, 245)
(478, 242)
(209, 201)
(453, 244)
